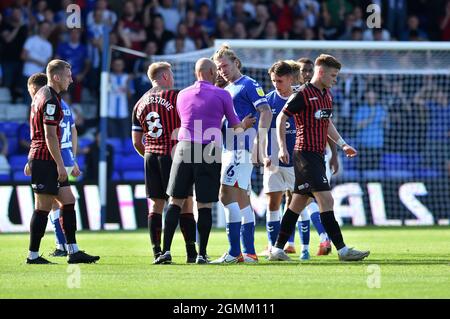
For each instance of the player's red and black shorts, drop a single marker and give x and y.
(44, 177)
(310, 173)
(157, 174)
(199, 165)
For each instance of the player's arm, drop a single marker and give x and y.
(337, 138)
(265, 120)
(76, 169)
(137, 142)
(136, 134)
(283, 154)
(334, 163)
(52, 141)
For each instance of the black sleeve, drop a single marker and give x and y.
(52, 112)
(135, 125)
(295, 104)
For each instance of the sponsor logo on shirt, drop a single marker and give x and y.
(260, 91)
(323, 114)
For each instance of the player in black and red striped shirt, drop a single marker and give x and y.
(155, 118)
(48, 174)
(312, 108)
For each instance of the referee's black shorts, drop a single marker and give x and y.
(310, 173)
(157, 173)
(199, 165)
(44, 177)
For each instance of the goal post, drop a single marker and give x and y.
(391, 102)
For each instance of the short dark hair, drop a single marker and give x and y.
(38, 79)
(280, 68)
(306, 61)
(328, 61)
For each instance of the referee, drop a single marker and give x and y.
(201, 108)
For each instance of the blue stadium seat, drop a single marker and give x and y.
(18, 176)
(18, 162)
(394, 161)
(84, 142)
(373, 174)
(129, 162)
(9, 128)
(128, 146)
(400, 174)
(116, 176)
(116, 143)
(133, 175)
(5, 178)
(427, 173)
(13, 145)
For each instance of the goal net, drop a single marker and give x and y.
(391, 102)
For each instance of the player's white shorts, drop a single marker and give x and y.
(237, 168)
(278, 179)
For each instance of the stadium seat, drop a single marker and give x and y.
(9, 128)
(116, 143)
(128, 146)
(116, 176)
(394, 161)
(427, 173)
(84, 142)
(133, 175)
(5, 178)
(399, 174)
(18, 176)
(129, 162)
(17, 162)
(13, 145)
(373, 174)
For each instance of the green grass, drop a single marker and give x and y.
(413, 263)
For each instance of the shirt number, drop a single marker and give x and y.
(155, 128)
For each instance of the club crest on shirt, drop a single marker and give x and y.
(50, 109)
(260, 91)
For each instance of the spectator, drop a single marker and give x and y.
(109, 17)
(309, 10)
(235, 12)
(118, 112)
(282, 13)
(171, 15)
(327, 31)
(182, 43)
(258, 26)
(131, 33)
(223, 30)
(271, 31)
(13, 33)
(413, 25)
(298, 30)
(445, 24)
(205, 19)
(36, 53)
(94, 49)
(194, 29)
(239, 31)
(369, 121)
(39, 11)
(158, 33)
(5, 168)
(357, 34)
(76, 53)
(345, 32)
(376, 34)
(395, 16)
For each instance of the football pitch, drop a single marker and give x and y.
(404, 263)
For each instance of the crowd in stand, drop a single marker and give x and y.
(32, 32)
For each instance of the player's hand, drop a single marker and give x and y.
(334, 164)
(62, 174)
(283, 156)
(248, 121)
(349, 151)
(267, 161)
(76, 170)
(27, 170)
